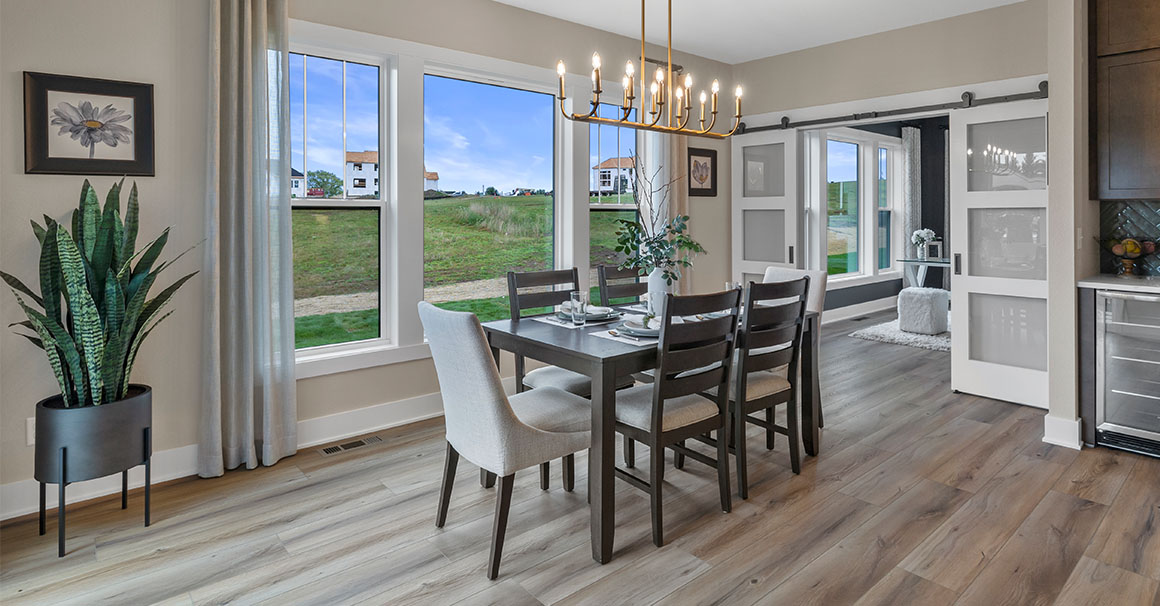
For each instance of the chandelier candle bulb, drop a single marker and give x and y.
(702, 110)
(653, 90)
(560, 72)
(737, 94)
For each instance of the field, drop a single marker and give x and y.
(470, 244)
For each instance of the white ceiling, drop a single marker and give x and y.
(734, 31)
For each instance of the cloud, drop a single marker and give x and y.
(437, 130)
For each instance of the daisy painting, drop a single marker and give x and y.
(90, 126)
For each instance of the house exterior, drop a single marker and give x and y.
(362, 174)
(430, 180)
(612, 176)
(297, 184)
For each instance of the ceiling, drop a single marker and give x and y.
(734, 31)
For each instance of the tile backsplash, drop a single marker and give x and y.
(1130, 218)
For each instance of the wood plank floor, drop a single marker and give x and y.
(920, 496)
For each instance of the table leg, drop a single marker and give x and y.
(910, 277)
(921, 276)
(811, 390)
(601, 458)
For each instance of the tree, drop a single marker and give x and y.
(491, 191)
(325, 180)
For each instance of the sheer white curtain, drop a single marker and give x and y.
(911, 184)
(249, 415)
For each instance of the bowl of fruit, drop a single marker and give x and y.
(1127, 251)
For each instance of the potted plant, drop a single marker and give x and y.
(658, 248)
(99, 423)
(920, 238)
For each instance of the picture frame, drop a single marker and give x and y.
(702, 167)
(87, 126)
(934, 249)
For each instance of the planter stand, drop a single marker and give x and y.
(60, 499)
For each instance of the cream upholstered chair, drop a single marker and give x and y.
(817, 295)
(499, 434)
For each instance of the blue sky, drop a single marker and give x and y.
(841, 161)
(323, 111)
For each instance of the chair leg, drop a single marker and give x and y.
(769, 433)
(125, 489)
(545, 469)
(569, 465)
(656, 459)
(740, 452)
(723, 463)
(678, 458)
(821, 418)
(449, 466)
(791, 416)
(486, 478)
(503, 501)
(629, 452)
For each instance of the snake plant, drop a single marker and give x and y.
(92, 339)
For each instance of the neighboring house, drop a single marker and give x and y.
(362, 174)
(297, 184)
(614, 175)
(430, 180)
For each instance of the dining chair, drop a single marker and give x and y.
(498, 433)
(692, 357)
(547, 294)
(765, 372)
(616, 283)
(816, 302)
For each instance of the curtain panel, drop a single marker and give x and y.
(249, 415)
(911, 184)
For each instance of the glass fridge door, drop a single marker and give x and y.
(1130, 357)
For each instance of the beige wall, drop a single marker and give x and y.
(994, 44)
(164, 42)
(158, 42)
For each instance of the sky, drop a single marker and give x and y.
(474, 135)
(841, 161)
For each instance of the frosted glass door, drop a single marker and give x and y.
(998, 178)
(765, 202)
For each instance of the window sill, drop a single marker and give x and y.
(837, 283)
(309, 364)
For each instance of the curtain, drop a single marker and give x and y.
(911, 184)
(249, 414)
(678, 201)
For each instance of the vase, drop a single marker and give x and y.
(920, 252)
(658, 288)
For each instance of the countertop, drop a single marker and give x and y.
(1145, 284)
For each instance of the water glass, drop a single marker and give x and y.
(732, 285)
(579, 308)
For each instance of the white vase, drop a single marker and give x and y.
(657, 289)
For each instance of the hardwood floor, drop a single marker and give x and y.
(919, 496)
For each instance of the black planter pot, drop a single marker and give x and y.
(87, 442)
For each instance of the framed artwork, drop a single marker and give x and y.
(702, 172)
(934, 249)
(87, 126)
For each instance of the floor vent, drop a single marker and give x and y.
(359, 443)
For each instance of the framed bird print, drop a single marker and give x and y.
(87, 126)
(702, 172)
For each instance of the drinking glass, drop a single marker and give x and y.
(732, 285)
(579, 308)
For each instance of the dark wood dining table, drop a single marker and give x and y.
(604, 360)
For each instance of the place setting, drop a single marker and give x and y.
(578, 313)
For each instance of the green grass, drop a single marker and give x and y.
(336, 251)
(325, 329)
(462, 244)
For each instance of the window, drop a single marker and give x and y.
(337, 229)
(885, 213)
(612, 151)
(471, 241)
(842, 222)
(358, 166)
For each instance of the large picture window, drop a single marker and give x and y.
(488, 202)
(337, 213)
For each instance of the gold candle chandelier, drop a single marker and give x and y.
(665, 96)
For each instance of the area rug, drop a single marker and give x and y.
(888, 332)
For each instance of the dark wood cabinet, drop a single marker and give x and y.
(1124, 26)
(1125, 99)
(1128, 125)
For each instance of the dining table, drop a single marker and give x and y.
(582, 351)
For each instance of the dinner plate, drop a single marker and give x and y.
(591, 318)
(637, 330)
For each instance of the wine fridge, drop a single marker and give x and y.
(1128, 371)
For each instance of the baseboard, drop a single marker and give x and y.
(23, 497)
(1062, 432)
(859, 309)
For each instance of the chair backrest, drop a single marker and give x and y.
(771, 331)
(695, 356)
(817, 299)
(541, 280)
(628, 283)
(476, 410)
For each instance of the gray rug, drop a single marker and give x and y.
(888, 332)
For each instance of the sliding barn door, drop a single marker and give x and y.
(999, 251)
(765, 203)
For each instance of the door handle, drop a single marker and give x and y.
(958, 264)
(791, 254)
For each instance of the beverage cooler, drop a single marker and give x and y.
(1128, 371)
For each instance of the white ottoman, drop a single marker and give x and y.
(923, 310)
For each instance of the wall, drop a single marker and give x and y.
(995, 44)
(165, 43)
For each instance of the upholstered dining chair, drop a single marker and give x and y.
(765, 371)
(616, 283)
(499, 434)
(816, 302)
(692, 357)
(549, 293)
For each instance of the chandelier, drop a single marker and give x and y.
(670, 107)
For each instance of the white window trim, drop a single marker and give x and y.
(868, 144)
